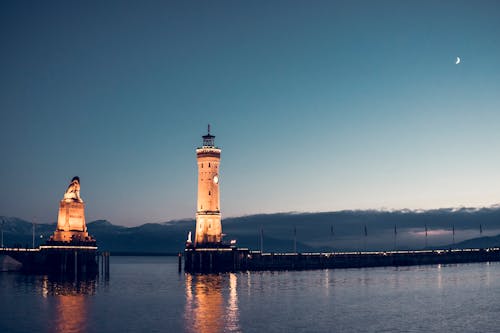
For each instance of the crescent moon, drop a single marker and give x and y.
(458, 61)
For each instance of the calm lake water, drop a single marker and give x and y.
(147, 294)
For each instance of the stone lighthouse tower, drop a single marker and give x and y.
(208, 219)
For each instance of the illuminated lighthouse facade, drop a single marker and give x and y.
(208, 218)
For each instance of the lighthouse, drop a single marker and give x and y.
(208, 218)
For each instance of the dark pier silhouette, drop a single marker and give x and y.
(65, 259)
(234, 259)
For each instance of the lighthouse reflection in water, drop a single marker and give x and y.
(147, 294)
(212, 303)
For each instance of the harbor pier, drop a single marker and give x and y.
(215, 259)
(234, 259)
(64, 259)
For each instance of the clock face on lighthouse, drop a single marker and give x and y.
(216, 179)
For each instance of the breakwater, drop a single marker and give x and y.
(234, 259)
(56, 259)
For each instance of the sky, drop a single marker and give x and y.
(317, 106)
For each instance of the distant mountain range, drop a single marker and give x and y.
(343, 230)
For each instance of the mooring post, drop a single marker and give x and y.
(83, 268)
(201, 261)
(76, 264)
(180, 261)
(107, 265)
(234, 260)
(192, 261)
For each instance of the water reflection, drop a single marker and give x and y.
(232, 311)
(212, 303)
(71, 302)
(439, 276)
(60, 286)
(326, 281)
(71, 314)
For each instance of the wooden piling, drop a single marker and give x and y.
(107, 265)
(76, 265)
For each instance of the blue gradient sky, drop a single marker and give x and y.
(318, 106)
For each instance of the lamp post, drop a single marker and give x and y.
(395, 238)
(453, 232)
(332, 233)
(33, 230)
(294, 239)
(426, 236)
(261, 239)
(3, 222)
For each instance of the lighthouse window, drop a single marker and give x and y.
(209, 165)
(202, 165)
(209, 193)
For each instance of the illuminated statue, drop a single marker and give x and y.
(73, 191)
(71, 225)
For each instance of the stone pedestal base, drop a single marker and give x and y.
(71, 222)
(208, 230)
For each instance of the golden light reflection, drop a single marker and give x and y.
(71, 313)
(232, 313)
(71, 298)
(211, 303)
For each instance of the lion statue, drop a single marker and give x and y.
(73, 191)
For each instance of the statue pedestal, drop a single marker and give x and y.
(71, 222)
